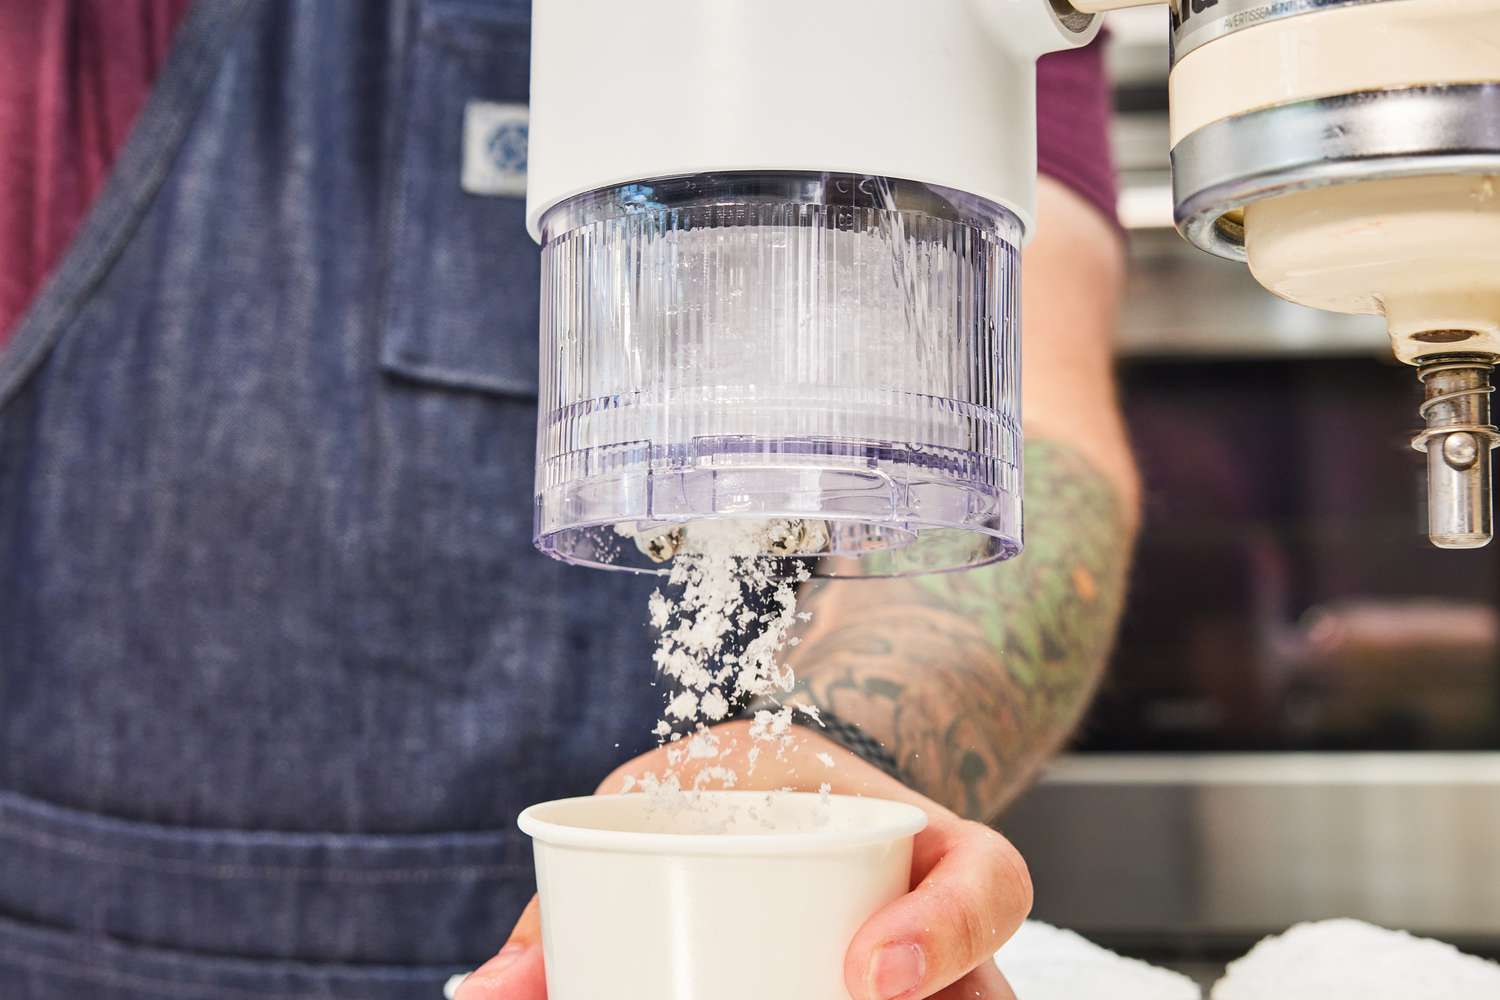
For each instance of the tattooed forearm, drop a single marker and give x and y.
(971, 679)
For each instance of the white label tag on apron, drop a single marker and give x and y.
(495, 149)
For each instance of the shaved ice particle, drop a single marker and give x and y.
(714, 705)
(724, 775)
(811, 711)
(684, 706)
(703, 746)
(770, 725)
(659, 610)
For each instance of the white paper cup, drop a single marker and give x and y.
(740, 896)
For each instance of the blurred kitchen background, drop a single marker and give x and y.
(1303, 715)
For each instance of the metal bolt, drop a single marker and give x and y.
(815, 537)
(795, 536)
(661, 546)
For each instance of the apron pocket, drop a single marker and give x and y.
(38, 963)
(419, 899)
(463, 275)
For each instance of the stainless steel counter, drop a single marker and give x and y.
(1194, 849)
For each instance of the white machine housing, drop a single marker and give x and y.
(942, 93)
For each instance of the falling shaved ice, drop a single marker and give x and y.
(723, 621)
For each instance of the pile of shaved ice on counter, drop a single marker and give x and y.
(1325, 960)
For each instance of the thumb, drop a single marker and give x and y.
(516, 973)
(964, 908)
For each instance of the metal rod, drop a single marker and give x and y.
(1458, 439)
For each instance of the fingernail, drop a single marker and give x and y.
(895, 970)
(450, 988)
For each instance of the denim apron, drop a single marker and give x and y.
(278, 663)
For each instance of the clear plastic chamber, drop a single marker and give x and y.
(836, 356)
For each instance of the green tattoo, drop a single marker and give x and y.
(972, 679)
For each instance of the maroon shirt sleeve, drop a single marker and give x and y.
(73, 76)
(1072, 124)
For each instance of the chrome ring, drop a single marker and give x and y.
(1487, 431)
(1197, 22)
(1371, 135)
(1455, 362)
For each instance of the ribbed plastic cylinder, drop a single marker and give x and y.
(830, 351)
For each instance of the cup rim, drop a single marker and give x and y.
(901, 820)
